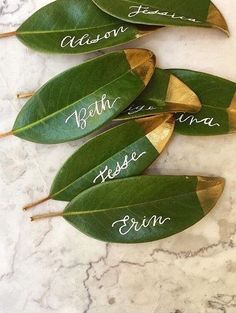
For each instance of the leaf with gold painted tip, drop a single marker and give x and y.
(143, 208)
(218, 98)
(84, 98)
(123, 151)
(201, 13)
(165, 93)
(72, 26)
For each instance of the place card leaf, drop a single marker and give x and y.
(72, 26)
(84, 98)
(123, 151)
(164, 93)
(142, 209)
(202, 13)
(218, 98)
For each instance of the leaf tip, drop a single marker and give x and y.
(209, 190)
(142, 62)
(217, 20)
(180, 98)
(158, 129)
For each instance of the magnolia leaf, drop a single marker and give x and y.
(143, 208)
(84, 98)
(201, 13)
(72, 26)
(218, 98)
(123, 151)
(165, 93)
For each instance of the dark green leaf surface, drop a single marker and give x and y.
(143, 208)
(165, 93)
(123, 151)
(75, 26)
(82, 99)
(201, 13)
(218, 98)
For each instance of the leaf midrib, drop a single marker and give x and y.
(135, 205)
(93, 169)
(70, 105)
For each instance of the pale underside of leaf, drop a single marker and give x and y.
(232, 114)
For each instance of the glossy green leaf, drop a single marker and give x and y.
(143, 208)
(123, 151)
(84, 98)
(201, 13)
(75, 26)
(218, 98)
(165, 93)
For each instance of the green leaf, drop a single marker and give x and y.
(84, 98)
(72, 26)
(201, 13)
(218, 97)
(123, 151)
(165, 93)
(143, 208)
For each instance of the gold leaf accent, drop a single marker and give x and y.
(180, 98)
(158, 129)
(142, 62)
(232, 115)
(209, 190)
(216, 19)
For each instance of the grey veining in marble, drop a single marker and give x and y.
(49, 266)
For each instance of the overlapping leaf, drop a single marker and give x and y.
(72, 26)
(82, 99)
(123, 151)
(218, 98)
(142, 209)
(165, 93)
(201, 13)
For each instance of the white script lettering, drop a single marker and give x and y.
(86, 39)
(136, 10)
(127, 224)
(138, 108)
(191, 119)
(108, 173)
(96, 108)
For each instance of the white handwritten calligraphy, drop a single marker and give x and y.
(191, 119)
(108, 173)
(97, 108)
(86, 39)
(127, 224)
(136, 10)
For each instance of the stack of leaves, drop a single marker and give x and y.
(106, 201)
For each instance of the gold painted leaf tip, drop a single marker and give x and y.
(232, 115)
(159, 129)
(180, 98)
(217, 20)
(209, 190)
(142, 62)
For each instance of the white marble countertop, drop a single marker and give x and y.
(49, 266)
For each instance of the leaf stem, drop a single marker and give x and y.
(44, 216)
(9, 34)
(10, 133)
(33, 204)
(25, 95)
